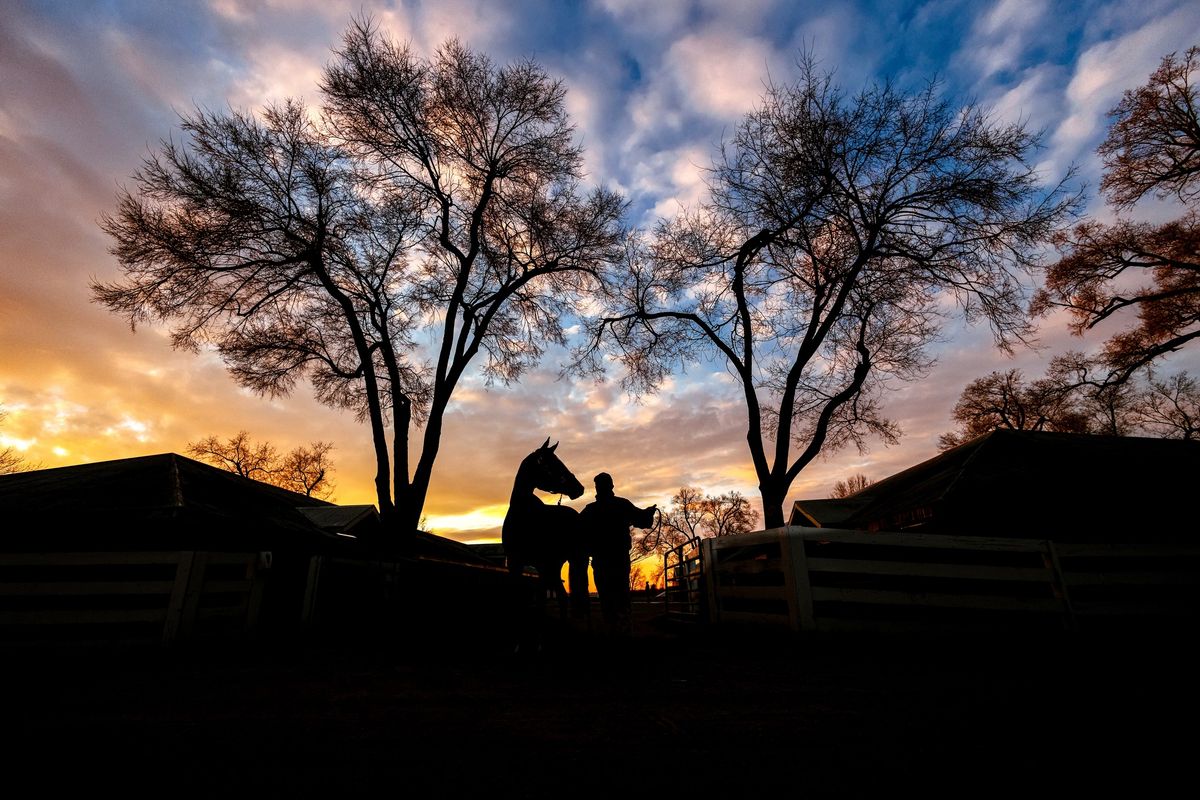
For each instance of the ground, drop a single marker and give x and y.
(673, 710)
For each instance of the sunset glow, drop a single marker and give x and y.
(652, 88)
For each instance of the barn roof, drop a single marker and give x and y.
(1050, 485)
(168, 501)
(162, 500)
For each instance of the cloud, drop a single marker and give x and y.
(654, 19)
(1001, 36)
(720, 73)
(653, 88)
(1104, 71)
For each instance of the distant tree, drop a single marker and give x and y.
(728, 514)
(305, 470)
(11, 459)
(851, 485)
(1152, 147)
(818, 268)
(1006, 400)
(436, 196)
(1076, 396)
(1171, 407)
(238, 454)
(695, 514)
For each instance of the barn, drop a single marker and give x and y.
(1021, 530)
(1032, 485)
(164, 548)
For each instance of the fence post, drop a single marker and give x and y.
(796, 581)
(191, 597)
(310, 589)
(1059, 586)
(708, 560)
(256, 569)
(183, 573)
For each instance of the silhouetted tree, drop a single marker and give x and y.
(11, 459)
(439, 195)
(1170, 408)
(1076, 396)
(489, 153)
(1152, 147)
(819, 266)
(852, 485)
(305, 470)
(695, 514)
(238, 454)
(1006, 400)
(258, 238)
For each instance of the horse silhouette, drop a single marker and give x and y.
(543, 536)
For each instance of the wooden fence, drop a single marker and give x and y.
(128, 596)
(846, 580)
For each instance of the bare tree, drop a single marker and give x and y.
(1152, 147)
(305, 470)
(1077, 396)
(1171, 407)
(11, 459)
(695, 514)
(437, 196)
(512, 244)
(817, 269)
(1006, 400)
(238, 454)
(851, 485)
(258, 239)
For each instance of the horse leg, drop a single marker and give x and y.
(554, 587)
(577, 572)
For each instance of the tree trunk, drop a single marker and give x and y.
(419, 487)
(774, 493)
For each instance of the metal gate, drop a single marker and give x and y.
(683, 569)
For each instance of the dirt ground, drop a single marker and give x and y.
(669, 711)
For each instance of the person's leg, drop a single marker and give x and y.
(624, 610)
(602, 571)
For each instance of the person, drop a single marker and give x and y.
(608, 521)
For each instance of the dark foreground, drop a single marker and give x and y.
(669, 712)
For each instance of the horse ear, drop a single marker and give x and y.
(552, 449)
(546, 444)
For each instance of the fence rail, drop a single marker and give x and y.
(683, 596)
(851, 580)
(162, 596)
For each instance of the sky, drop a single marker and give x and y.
(88, 89)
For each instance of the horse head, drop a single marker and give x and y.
(549, 474)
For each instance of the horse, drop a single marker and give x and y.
(546, 536)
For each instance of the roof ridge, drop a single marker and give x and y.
(962, 468)
(176, 482)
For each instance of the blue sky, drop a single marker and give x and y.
(87, 88)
